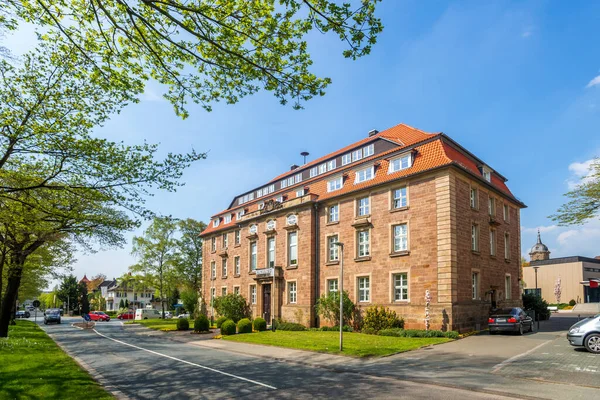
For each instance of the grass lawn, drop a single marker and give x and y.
(32, 366)
(160, 324)
(355, 344)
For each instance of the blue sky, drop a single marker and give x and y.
(511, 81)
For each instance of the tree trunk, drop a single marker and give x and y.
(10, 297)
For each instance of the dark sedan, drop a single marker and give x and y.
(510, 320)
(22, 314)
(52, 316)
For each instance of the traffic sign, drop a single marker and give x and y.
(36, 303)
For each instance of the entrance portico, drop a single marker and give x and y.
(269, 290)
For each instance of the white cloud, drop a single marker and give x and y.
(581, 173)
(563, 238)
(594, 82)
(528, 31)
(150, 95)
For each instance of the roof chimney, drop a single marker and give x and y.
(293, 167)
(373, 132)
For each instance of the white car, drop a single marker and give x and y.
(168, 315)
(185, 315)
(144, 313)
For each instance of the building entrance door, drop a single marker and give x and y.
(267, 303)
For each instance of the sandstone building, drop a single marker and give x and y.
(415, 211)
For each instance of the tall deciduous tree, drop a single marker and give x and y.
(68, 292)
(584, 203)
(188, 260)
(156, 251)
(206, 51)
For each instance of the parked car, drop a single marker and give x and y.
(22, 314)
(52, 316)
(98, 316)
(168, 315)
(146, 313)
(184, 315)
(586, 333)
(126, 315)
(510, 320)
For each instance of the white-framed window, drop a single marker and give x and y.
(213, 269)
(213, 243)
(300, 192)
(259, 193)
(250, 196)
(253, 294)
(363, 206)
(253, 255)
(399, 163)
(225, 240)
(507, 287)
(261, 205)
(271, 188)
(271, 224)
(331, 165)
(333, 213)
(492, 242)
(314, 171)
(292, 219)
(240, 214)
(284, 184)
(298, 178)
(322, 168)
(400, 286)
(271, 252)
(293, 248)
(215, 222)
(236, 265)
(292, 292)
(332, 285)
(368, 150)
(236, 290)
(213, 293)
(224, 291)
(334, 184)
(365, 174)
(400, 237)
(253, 229)
(506, 212)
(487, 174)
(224, 267)
(346, 159)
(333, 250)
(399, 198)
(364, 289)
(363, 243)
(492, 206)
(237, 236)
(475, 237)
(357, 155)
(227, 218)
(475, 285)
(473, 198)
(279, 199)
(507, 246)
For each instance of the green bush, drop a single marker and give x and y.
(537, 304)
(201, 324)
(378, 318)
(412, 333)
(328, 306)
(572, 303)
(244, 326)
(183, 324)
(228, 328)
(397, 332)
(345, 328)
(260, 324)
(220, 321)
(111, 314)
(451, 335)
(370, 331)
(233, 306)
(290, 326)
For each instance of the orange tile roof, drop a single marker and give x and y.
(432, 151)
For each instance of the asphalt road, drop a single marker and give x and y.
(149, 367)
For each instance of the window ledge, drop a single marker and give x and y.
(292, 267)
(236, 275)
(507, 260)
(237, 245)
(224, 277)
(213, 251)
(361, 222)
(407, 301)
(476, 252)
(474, 208)
(361, 259)
(252, 272)
(332, 223)
(328, 263)
(393, 210)
(492, 256)
(270, 232)
(252, 236)
(291, 227)
(400, 253)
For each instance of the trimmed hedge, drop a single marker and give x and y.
(183, 324)
(244, 326)
(572, 303)
(228, 328)
(345, 328)
(417, 333)
(290, 326)
(201, 324)
(220, 321)
(260, 324)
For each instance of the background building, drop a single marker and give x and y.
(415, 211)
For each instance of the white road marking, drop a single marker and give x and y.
(497, 367)
(187, 362)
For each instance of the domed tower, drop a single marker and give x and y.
(539, 251)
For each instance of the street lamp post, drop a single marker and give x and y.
(536, 283)
(341, 292)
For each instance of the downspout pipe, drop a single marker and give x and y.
(317, 261)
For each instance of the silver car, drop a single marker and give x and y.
(586, 333)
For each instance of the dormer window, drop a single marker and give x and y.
(365, 174)
(322, 168)
(486, 173)
(314, 172)
(216, 222)
(368, 150)
(399, 163)
(300, 192)
(330, 165)
(241, 213)
(227, 218)
(346, 159)
(279, 199)
(357, 155)
(334, 184)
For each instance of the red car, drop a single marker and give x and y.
(98, 316)
(126, 315)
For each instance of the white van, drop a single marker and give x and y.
(144, 313)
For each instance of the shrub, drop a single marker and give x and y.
(412, 333)
(260, 324)
(220, 321)
(183, 324)
(244, 326)
(370, 331)
(201, 324)
(228, 327)
(290, 326)
(452, 335)
(328, 306)
(233, 306)
(345, 328)
(537, 304)
(378, 318)
(392, 332)
(572, 303)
